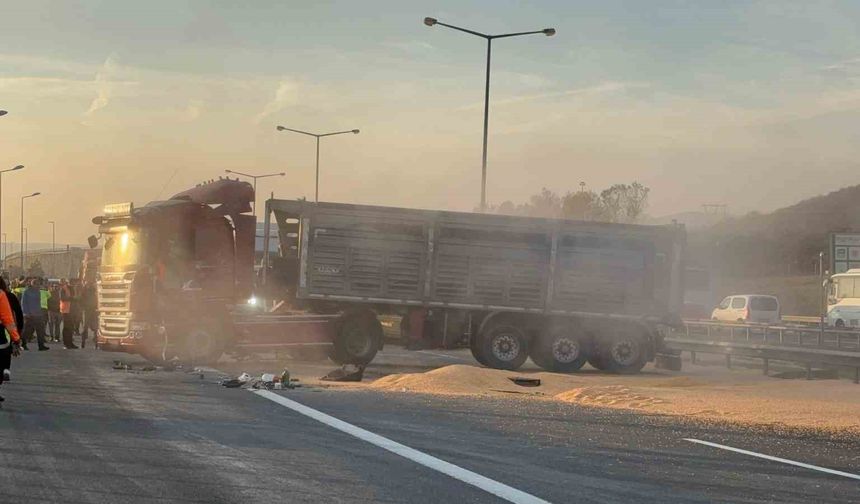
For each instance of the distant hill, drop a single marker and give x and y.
(783, 242)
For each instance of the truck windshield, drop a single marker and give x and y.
(121, 249)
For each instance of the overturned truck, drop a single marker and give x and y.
(561, 292)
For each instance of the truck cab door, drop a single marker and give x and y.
(213, 258)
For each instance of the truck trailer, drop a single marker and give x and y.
(176, 276)
(559, 291)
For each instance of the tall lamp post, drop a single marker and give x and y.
(489, 38)
(53, 248)
(16, 168)
(5, 242)
(22, 224)
(255, 177)
(318, 136)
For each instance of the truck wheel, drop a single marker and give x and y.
(477, 353)
(561, 349)
(624, 352)
(596, 361)
(503, 347)
(357, 339)
(203, 344)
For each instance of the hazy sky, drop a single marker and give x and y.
(752, 104)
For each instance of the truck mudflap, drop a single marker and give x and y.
(664, 357)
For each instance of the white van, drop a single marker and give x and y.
(757, 308)
(843, 299)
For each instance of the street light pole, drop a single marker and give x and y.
(53, 246)
(489, 38)
(318, 136)
(19, 167)
(22, 225)
(255, 177)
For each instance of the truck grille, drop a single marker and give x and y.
(114, 301)
(114, 326)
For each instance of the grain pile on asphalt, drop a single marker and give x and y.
(738, 396)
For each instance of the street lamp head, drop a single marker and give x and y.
(282, 174)
(228, 171)
(355, 132)
(281, 128)
(35, 194)
(430, 21)
(549, 32)
(3, 112)
(19, 167)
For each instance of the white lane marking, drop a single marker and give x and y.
(501, 490)
(775, 459)
(442, 355)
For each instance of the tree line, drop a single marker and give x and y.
(624, 203)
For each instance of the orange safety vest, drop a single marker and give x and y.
(65, 306)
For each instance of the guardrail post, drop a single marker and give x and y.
(780, 337)
(693, 357)
(857, 375)
(765, 366)
(687, 327)
(748, 333)
(731, 333)
(838, 341)
(729, 361)
(818, 338)
(808, 371)
(708, 331)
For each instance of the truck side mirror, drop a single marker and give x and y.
(93, 241)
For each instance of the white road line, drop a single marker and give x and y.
(775, 459)
(501, 490)
(442, 355)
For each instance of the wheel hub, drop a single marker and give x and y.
(357, 344)
(625, 352)
(506, 347)
(565, 350)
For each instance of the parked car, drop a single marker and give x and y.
(756, 308)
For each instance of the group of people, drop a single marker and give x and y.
(48, 310)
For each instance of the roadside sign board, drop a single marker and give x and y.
(844, 252)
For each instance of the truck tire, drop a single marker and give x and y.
(203, 344)
(562, 348)
(624, 352)
(477, 352)
(503, 346)
(596, 361)
(357, 339)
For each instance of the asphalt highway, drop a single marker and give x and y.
(74, 430)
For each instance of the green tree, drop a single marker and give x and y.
(582, 205)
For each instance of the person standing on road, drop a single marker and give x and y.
(66, 312)
(10, 341)
(54, 317)
(89, 310)
(45, 296)
(34, 315)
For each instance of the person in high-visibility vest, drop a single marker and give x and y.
(10, 341)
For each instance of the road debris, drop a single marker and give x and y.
(346, 373)
(522, 381)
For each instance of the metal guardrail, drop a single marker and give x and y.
(806, 345)
(800, 319)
